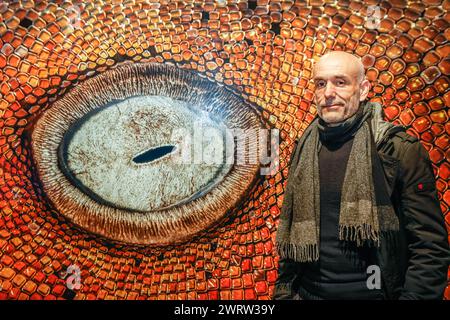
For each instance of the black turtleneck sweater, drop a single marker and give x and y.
(341, 271)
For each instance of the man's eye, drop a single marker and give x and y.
(132, 154)
(320, 84)
(340, 83)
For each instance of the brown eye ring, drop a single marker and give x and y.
(158, 226)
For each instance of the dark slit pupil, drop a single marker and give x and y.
(153, 154)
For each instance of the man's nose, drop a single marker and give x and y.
(330, 90)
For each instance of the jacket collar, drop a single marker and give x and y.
(382, 130)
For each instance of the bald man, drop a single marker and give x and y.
(361, 217)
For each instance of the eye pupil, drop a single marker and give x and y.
(153, 154)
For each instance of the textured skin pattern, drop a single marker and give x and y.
(261, 50)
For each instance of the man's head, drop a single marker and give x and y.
(340, 86)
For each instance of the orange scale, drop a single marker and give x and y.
(412, 69)
(10, 71)
(436, 155)
(443, 142)
(421, 109)
(415, 32)
(30, 99)
(33, 81)
(55, 81)
(441, 84)
(430, 32)
(423, 44)
(44, 54)
(13, 61)
(421, 124)
(446, 98)
(13, 83)
(415, 84)
(34, 70)
(407, 117)
(8, 36)
(11, 121)
(439, 116)
(411, 56)
(438, 129)
(361, 50)
(347, 27)
(42, 100)
(38, 92)
(429, 93)
(36, 47)
(444, 66)
(437, 103)
(441, 24)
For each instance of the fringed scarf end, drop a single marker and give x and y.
(360, 234)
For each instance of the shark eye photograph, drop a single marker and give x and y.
(224, 150)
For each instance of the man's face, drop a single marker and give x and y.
(338, 89)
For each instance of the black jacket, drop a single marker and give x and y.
(414, 263)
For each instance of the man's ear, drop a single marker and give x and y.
(364, 88)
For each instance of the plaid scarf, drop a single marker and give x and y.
(365, 210)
